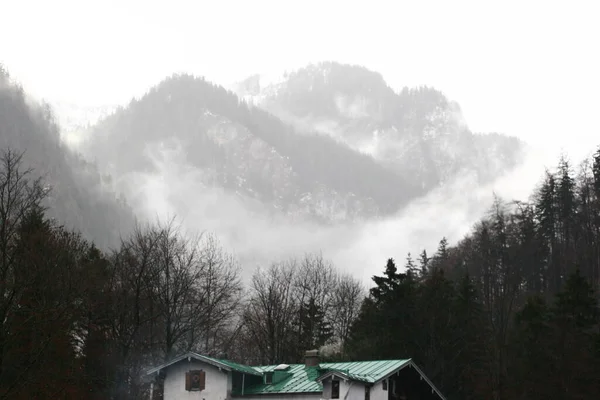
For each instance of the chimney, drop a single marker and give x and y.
(311, 358)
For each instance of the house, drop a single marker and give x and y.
(194, 376)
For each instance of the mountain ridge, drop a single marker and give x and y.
(202, 115)
(401, 129)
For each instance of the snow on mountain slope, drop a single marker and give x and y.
(416, 132)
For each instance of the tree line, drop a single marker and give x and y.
(511, 311)
(81, 323)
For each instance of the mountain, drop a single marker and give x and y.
(80, 196)
(75, 119)
(221, 143)
(417, 132)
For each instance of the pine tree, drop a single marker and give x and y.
(531, 350)
(596, 172)
(315, 329)
(424, 262)
(433, 329)
(387, 323)
(547, 223)
(471, 335)
(411, 268)
(575, 316)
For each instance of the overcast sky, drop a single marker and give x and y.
(528, 68)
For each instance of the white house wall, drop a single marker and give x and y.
(355, 390)
(217, 383)
(377, 392)
(282, 396)
(349, 390)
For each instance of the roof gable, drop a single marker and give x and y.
(299, 378)
(222, 364)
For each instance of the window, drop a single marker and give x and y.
(335, 389)
(367, 393)
(195, 380)
(384, 384)
(268, 378)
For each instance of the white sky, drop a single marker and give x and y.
(527, 68)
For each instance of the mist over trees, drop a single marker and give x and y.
(98, 320)
(511, 311)
(416, 132)
(82, 198)
(245, 149)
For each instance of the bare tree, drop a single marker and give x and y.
(315, 280)
(219, 289)
(134, 310)
(299, 304)
(20, 195)
(346, 301)
(269, 312)
(176, 272)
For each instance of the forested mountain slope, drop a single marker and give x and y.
(247, 152)
(512, 310)
(417, 132)
(80, 195)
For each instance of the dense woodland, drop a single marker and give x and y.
(509, 312)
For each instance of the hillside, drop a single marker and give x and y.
(80, 196)
(198, 127)
(416, 132)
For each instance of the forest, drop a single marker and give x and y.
(509, 312)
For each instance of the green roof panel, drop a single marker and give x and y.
(303, 379)
(237, 367)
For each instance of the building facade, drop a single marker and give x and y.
(194, 376)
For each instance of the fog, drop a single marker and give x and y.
(522, 69)
(361, 248)
(507, 67)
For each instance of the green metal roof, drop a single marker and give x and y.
(304, 379)
(237, 367)
(225, 364)
(301, 379)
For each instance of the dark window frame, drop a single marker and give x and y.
(195, 385)
(335, 389)
(269, 378)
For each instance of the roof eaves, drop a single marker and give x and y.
(208, 360)
(394, 371)
(344, 375)
(411, 363)
(339, 374)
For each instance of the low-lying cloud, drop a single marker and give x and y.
(362, 249)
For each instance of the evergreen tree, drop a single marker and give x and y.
(424, 262)
(434, 329)
(315, 330)
(387, 324)
(531, 350)
(470, 350)
(411, 268)
(575, 316)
